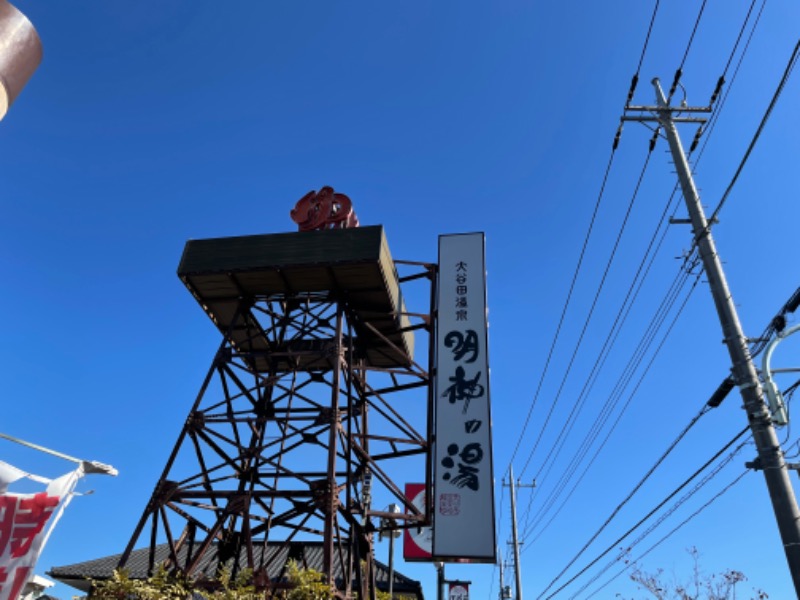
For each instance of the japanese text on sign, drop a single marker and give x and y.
(463, 499)
(22, 519)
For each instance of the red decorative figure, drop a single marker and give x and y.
(324, 210)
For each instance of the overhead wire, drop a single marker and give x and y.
(524, 519)
(647, 37)
(717, 112)
(587, 321)
(741, 33)
(777, 324)
(616, 421)
(586, 241)
(674, 530)
(658, 507)
(569, 422)
(679, 72)
(581, 452)
(670, 511)
(688, 254)
(611, 338)
(789, 306)
(694, 32)
(712, 123)
(636, 487)
(765, 118)
(787, 72)
(566, 305)
(634, 361)
(794, 446)
(635, 78)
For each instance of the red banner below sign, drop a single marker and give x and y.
(417, 542)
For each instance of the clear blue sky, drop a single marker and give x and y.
(151, 123)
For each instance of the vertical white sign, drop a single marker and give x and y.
(463, 522)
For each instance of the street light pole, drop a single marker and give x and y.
(390, 524)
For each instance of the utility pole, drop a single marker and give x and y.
(502, 581)
(505, 590)
(514, 538)
(744, 371)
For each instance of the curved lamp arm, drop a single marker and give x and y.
(774, 398)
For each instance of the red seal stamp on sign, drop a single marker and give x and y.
(449, 505)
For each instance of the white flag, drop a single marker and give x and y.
(26, 521)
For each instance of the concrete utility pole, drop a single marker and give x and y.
(744, 371)
(514, 539)
(502, 581)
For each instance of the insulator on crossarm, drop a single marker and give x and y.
(719, 395)
(793, 302)
(634, 81)
(696, 139)
(654, 139)
(616, 137)
(717, 90)
(675, 81)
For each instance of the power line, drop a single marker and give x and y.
(744, 371)
(613, 426)
(779, 89)
(635, 78)
(675, 529)
(585, 242)
(566, 306)
(547, 364)
(694, 32)
(715, 116)
(741, 33)
(586, 322)
(570, 422)
(613, 336)
(633, 364)
(647, 38)
(788, 71)
(717, 113)
(670, 511)
(619, 321)
(637, 487)
(655, 324)
(679, 72)
(647, 516)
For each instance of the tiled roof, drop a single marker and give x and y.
(307, 554)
